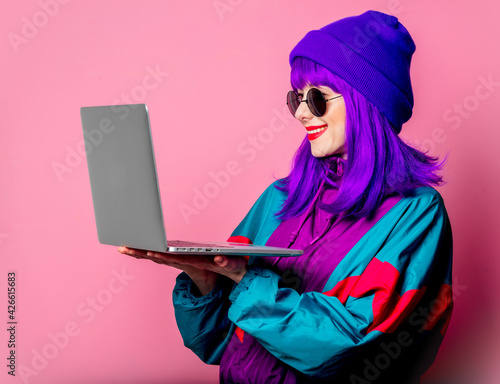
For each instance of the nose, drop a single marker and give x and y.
(303, 113)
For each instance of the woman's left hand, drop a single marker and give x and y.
(234, 267)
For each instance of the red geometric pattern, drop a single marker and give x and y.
(440, 308)
(240, 333)
(239, 239)
(244, 240)
(389, 308)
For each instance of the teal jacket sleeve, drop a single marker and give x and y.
(386, 281)
(202, 320)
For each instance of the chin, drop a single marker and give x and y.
(319, 153)
(325, 151)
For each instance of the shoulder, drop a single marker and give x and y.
(269, 201)
(273, 192)
(423, 205)
(426, 194)
(424, 198)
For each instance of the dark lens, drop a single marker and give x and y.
(316, 102)
(292, 100)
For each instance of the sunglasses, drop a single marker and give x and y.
(314, 99)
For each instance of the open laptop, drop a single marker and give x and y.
(124, 184)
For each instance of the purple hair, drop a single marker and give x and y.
(378, 162)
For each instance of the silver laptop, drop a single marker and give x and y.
(125, 191)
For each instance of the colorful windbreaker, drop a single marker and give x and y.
(369, 301)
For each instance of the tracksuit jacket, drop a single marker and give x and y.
(369, 301)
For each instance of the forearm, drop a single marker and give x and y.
(281, 319)
(205, 281)
(202, 319)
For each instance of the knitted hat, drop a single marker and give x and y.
(371, 52)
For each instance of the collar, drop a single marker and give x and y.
(334, 169)
(334, 166)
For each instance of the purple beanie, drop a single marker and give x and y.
(372, 53)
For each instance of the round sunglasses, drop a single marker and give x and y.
(314, 100)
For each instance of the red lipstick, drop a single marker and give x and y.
(315, 131)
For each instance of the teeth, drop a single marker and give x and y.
(316, 130)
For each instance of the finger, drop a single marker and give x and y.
(160, 258)
(221, 261)
(231, 263)
(169, 257)
(128, 252)
(136, 252)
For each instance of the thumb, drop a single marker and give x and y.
(221, 261)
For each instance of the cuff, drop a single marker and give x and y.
(186, 293)
(252, 274)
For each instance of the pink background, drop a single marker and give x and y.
(221, 76)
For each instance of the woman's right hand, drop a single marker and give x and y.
(204, 279)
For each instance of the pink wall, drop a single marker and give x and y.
(214, 75)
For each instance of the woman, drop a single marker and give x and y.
(370, 299)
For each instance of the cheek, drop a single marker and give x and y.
(342, 137)
(336, 140)
(337, 135)
(340, 133)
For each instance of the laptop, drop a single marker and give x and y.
(125, 191)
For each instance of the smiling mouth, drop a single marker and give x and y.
(313, 132)
(316, 130)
